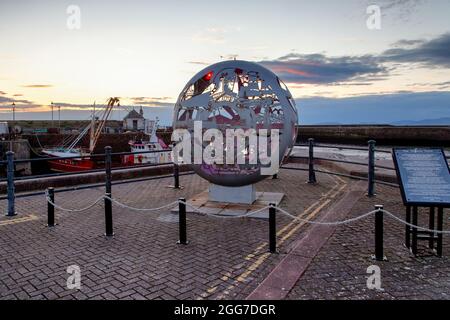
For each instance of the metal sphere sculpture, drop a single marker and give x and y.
(237, 95)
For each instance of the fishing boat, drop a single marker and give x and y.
(72, 158)
(153, 143)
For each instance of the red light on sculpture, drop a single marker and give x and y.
(208, 76)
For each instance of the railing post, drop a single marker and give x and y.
(379, 255)
(176, 169)
(176, 175)
(408, 228)
(108, 205)
(371, 169)
(272, 228)
(414, 230)
(440, 219)
(312, 173)
(51, 207)
(10, 184)
(182, 221)
(431, 219)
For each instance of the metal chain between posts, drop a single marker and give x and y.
(72, 210)
(347, 221)
(141, 209)
(249, 214)
(393, 216)
(335, 223)
(107, 197)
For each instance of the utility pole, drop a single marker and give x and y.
(11, 136)
(52, 115)
(59, 119)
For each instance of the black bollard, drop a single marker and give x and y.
(51, 207)
(10, 184)
(312, 173)
(272, 229)
(176, 176)
(182, 221)
(371, 169)
(108, 205)
(379, 255)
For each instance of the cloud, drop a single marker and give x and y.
(320, 69)
(135, 101)
(21, 104)
(432, 53)
(397, 9)
(38, 86)
(66, 105)
(363, 69)
(6, 100)
(2, 92)
(151, 98)
(438, 85)
(406, 43)
(199, 63)
(443, 85)
(20, 107)
(152, 101)
(399, 4)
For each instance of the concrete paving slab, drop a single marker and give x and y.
(286, 274)
(202, 205)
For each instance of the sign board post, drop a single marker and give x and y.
(424, 179)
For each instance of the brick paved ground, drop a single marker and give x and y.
(339, 270)
(225, 258)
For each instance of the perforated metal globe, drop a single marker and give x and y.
(237, 95)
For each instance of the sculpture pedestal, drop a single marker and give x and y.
(202, 203)
(238, 195)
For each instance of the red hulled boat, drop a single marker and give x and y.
(78, 159)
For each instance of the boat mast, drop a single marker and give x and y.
(80, 136)
(111, 102)
(91, 139)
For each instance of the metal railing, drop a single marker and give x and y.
(10, 180)
(108, 169)
(371, 164)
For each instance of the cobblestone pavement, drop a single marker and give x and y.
(339, 270)
(226, 258)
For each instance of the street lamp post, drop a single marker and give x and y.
(53, 125)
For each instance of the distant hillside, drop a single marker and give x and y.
(426, 122)
(420, 108)
(401, 109)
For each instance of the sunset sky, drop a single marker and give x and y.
(145, 52)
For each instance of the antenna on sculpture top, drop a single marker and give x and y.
(229, 57)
